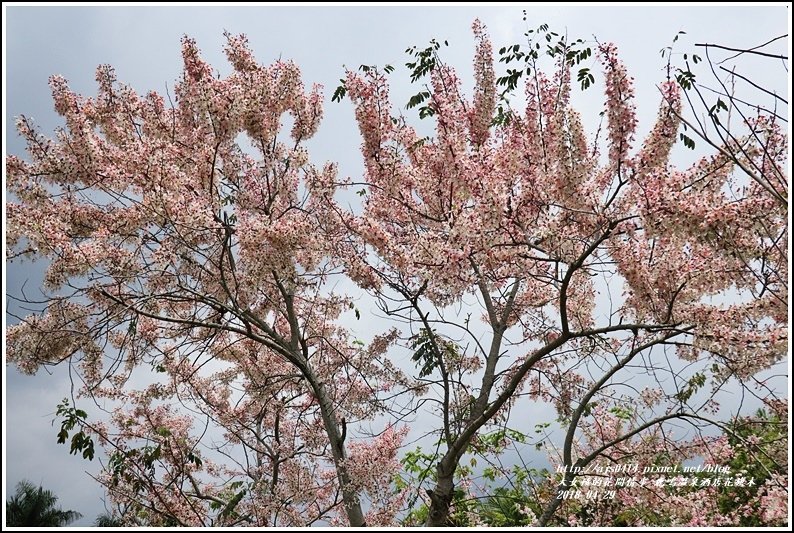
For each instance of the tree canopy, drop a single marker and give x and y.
(33, 506)
(206, 283)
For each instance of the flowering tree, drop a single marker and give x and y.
(751, 106)
(740, 481)
(192, 248)
(173, 248)
(527, 221)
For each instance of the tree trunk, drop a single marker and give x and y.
(554, 504)
(350, 497)
(441, 496)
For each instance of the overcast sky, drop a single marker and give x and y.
(142, 43)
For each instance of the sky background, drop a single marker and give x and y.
(142, 43)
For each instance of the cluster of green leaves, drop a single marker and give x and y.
(755, 461)
(542, 41)
(341, 90)
(80, 441)
(506, 496)
(424, 345)
(522, 61)
(119, 465)
(425, 59)
(502, 498)
(416, 463)
(33, 506)
(622, 412)
(505, 505)
(144, 458)
(233, 493)
(418, 467)
(355, 310)
(494, 439)
(693, 385)
(686, 79)
(422, 62)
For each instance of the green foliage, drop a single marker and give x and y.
(144, 458)
(510, 499)
(424, 345)
(495, 439)
(422, 62)
(520, 61)
(507, 498)
(685, 78)
(760, 446)
(32, 506)
(80, 441)
(416, 464)
(504, 496)
(503, 508)
(692, 386)
(585, 78)
(108, 520)
(688, 141)
(355, 310)
(541, 41)
(340, 92)
(228, 510)
(714, 111)
(623, 412)
(417, 99)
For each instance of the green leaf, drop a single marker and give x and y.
(622, 412)
(229, 509)
(340, 92)
(88, 452)
(426, 111)
(585, 78)
(424, 353)
(80, 442)
(417, 99)
(685, 79)
(688, 142)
